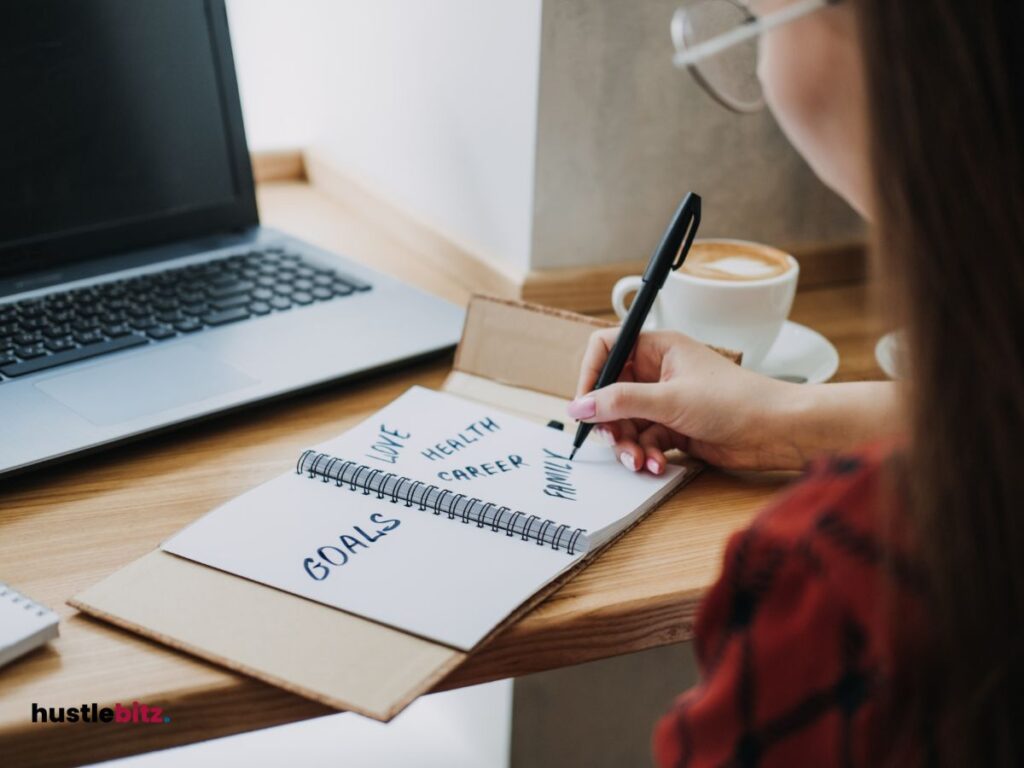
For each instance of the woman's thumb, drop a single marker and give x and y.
(624, 400)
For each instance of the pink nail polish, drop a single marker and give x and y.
(652, 467)
(583, 408)
(628, 461)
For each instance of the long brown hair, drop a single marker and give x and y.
(945, 81)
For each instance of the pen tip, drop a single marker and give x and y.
(573, 454)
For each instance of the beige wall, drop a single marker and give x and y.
(622, 135)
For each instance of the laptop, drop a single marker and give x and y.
(137, 288)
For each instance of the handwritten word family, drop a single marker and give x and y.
(558, 476)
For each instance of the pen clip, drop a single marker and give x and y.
(675, 243)
(693, 202)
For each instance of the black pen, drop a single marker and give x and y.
(669, 255)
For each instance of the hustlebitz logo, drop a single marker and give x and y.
(94, 713)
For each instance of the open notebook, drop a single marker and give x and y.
(365, 601)
(438, 516)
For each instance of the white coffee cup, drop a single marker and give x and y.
(731, 293)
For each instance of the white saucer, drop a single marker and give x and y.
(800, 354)
(887, 353)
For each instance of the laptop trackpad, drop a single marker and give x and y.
(129, 388)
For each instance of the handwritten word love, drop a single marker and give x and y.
(389, 443)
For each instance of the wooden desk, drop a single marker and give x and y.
(65, 528)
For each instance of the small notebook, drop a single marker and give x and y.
(438, 516)
(24, 624)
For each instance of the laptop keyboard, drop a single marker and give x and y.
(62, 328)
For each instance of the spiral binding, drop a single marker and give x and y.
(440, 501)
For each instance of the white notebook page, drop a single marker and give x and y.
(423, 573)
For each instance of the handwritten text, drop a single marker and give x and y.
(319, 568)
(558, 474)
(389, 442)
(483, 470)
(465, 438)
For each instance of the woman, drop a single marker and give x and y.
(874, 613)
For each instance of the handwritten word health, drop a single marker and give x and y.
(471, 434)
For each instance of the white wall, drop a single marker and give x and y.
(432, 104)
(278, 70)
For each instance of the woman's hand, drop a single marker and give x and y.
(677, 393)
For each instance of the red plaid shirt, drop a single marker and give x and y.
(792, 640)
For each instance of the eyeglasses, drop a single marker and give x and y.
(716, 40)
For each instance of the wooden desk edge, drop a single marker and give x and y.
(206, 712)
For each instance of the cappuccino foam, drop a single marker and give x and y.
(727, 261)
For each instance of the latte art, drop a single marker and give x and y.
(740, 261)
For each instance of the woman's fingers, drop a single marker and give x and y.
(625, 400)
(641, 446)
(644, 362)
(610, 431)
(598, 347)
(622, 436)
(627, 448)
(654, 441)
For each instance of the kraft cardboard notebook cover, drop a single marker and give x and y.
(519, 359)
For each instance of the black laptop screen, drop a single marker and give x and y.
(119, 128)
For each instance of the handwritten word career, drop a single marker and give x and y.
(471, 434)
(388, 445)
(319, 568)
(482, 470)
